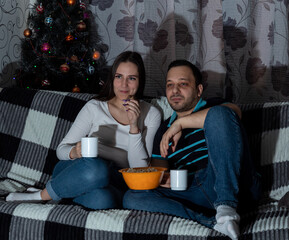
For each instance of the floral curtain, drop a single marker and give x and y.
(241, 47)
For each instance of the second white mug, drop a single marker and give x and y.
(89, 146)
(179, 179)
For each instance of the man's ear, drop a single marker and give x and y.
(200, 89)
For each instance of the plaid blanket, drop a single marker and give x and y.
(33, 122)
(32, 125)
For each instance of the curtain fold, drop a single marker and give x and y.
(240, 46)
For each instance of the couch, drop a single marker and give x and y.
(33, 122)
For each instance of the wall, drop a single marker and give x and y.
(13, 15)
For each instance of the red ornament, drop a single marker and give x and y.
(69, 38)
(81, 26)
(82, 6)
(71, 2)
(76, 89)
(45, 82)
(45, 47)
(40, 8)
(27, 32)
(96, 55)
(64, 68)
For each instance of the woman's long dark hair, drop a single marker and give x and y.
(107, 91)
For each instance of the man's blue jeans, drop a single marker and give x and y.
(229, 179)
(91, 182)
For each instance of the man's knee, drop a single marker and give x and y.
(221, 111)
(220, 116)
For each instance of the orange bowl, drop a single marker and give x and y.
(143, 180)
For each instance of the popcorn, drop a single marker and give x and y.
(134, 170)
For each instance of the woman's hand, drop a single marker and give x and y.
(172, 135)
(76, 151)
(133, 113)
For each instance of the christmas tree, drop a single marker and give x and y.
(61, 49)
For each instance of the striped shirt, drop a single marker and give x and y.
(191, 152)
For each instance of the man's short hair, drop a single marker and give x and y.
(196, 72)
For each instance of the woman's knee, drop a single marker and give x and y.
(96, 170)
(61, 165)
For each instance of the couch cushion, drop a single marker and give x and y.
(267, 125)
(32, 124)
(58, 221)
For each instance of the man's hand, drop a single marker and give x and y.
(166, 181)
(172, 135)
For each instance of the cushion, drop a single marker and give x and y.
(32, 124)
(267, 126)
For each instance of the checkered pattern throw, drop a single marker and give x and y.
(33, 122)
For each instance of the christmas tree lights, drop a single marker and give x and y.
(60, 50)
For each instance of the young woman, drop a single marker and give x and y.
(125, 127)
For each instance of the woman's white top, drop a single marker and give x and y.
(115, 143)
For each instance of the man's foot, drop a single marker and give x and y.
(230, 228)
(227, 221)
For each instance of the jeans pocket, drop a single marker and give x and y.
(206, 193)
(200, 176)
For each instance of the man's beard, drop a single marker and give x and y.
(185, 106)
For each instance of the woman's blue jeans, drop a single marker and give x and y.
(229, 178)
(91, 182)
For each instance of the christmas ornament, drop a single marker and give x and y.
(90, 70)
(71, 2)
(82, 5)
(64, 68)
(45, 47)
(81, 26)
(74, 58)
(45, 82)
(40, 8)
(76, 89)
(86, 15)
(96, 55)
(27, 32)
(69, 38)
(48, 21)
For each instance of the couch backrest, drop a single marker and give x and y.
(33, 122)
(267, 125)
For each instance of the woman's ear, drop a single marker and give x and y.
(200, 89)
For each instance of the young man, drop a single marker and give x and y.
(207, 139)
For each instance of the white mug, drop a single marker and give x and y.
(89, 146)
(179, 179)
